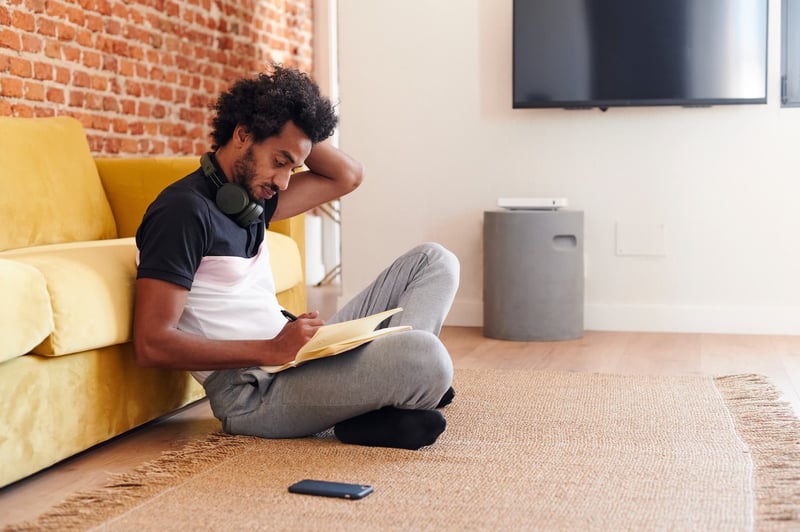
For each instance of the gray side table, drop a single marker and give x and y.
(533, 274)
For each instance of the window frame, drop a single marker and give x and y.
(790, 63)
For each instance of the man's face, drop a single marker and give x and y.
(267, 167)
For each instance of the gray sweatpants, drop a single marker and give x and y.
(410, 369)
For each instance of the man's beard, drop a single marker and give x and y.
(244, 172)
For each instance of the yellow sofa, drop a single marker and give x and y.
(68, 378)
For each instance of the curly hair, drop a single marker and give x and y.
(264, 104)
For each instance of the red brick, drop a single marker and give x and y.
(101, 122)
(46, 27)
(42, 71)
(110, 104)
(63, 75)
(56, 9)
(133, 88)
(55, 95)
(20, 67)
(76, 15)
(113, 27)
(23, 21)
(10, 39)
(128, 107)
(80, 79)
(149, 90)
(85, 38)
(65, 32)
(126, 67)
(71, 53)
(128, 146)
(165, 93)
(76, 98)
(111, 145)
(11, 87)
(34, 91)
(110, 63)
(31, 43)
(94, 23)
(41, 112)
(120, 48)
(23, 110)
(94, 101)
(99, 83)
(119, 125)
(119, 10)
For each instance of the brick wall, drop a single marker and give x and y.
(141, 74)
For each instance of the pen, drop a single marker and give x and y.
(288, 315)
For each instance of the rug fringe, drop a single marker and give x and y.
(122, 492)
(771, 429)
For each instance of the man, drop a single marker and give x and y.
(205, 297)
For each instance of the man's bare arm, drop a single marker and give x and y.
(159, 343)
(331, 174)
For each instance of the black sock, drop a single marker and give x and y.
(447, 398)
(392, 427)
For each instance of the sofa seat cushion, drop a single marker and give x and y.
(91, 287)
(25, 315)
(50, 191)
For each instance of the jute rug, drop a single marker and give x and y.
(523, 451)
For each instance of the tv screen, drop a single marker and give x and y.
(604, 53)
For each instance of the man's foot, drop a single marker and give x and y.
(392, 427)
(447, 398)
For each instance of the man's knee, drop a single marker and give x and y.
(422, 356)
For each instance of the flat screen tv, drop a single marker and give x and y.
(605, 53)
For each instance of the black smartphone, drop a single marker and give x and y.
(331, 489)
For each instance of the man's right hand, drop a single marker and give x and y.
(295, 334)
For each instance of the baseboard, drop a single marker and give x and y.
(693, 319)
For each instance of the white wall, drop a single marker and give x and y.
(425, 88)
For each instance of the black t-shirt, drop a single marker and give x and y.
(184, 224)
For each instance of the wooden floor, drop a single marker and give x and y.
(778, 357)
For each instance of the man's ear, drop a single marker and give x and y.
(241, 133)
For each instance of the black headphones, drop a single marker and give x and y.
(232, 199)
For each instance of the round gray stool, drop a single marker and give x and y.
(533, 274)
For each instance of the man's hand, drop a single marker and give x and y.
(295, 334)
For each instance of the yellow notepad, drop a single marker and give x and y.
(337, 338)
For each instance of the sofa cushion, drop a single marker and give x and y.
(50, 190)
(284, 256)
(91, 286)
(25, 315)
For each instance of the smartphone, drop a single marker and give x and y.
(331, 489)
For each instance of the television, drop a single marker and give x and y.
(606, 53)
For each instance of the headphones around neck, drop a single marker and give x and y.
(232, 199)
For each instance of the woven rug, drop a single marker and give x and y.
(522, 451)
